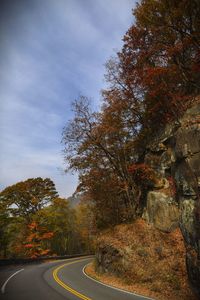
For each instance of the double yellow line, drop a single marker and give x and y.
(64, 285)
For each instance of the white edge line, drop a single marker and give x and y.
(5, 283)
(112, 287)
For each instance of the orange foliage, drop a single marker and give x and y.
(141, 173)
(35, 240)
(47, 235)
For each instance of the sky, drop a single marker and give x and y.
(51, 52)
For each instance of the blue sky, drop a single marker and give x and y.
(51, 51)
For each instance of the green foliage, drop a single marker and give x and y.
(4, 231)
(60, 219)
(85, 225)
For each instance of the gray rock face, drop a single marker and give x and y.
(187, 216)
(162, 211)
(187, 176)
(175, 153)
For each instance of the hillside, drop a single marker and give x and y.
(140, 258)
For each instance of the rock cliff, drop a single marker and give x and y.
(174, 154)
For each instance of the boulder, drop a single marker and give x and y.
(110, 259)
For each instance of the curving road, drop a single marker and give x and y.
(56, 280)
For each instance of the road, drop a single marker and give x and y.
(56, 280)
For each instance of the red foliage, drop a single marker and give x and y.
(141, 173)
(160, 57)
(34, 243)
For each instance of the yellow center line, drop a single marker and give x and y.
(64, 285)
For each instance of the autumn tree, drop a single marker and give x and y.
(27, 197)
(35, 222)
(101, 187)
(34, 243)
(100, 146)
(161, 54)
(19, 204)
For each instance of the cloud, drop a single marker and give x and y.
(51, 52)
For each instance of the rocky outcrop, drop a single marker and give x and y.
(174, 155)
(187, 175)
(162, 211)
(172, 200)
(109, 259)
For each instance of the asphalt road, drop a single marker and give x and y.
(56, 280)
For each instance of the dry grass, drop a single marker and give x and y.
(152, 263)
